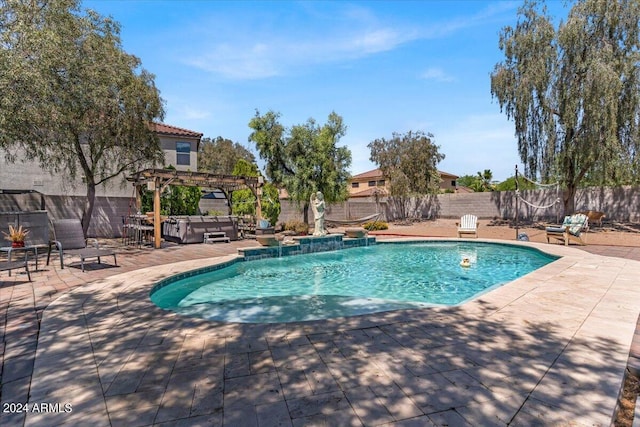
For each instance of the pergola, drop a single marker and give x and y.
(158, 179)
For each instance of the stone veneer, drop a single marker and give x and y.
(306, 245)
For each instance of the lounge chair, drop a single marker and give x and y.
(571, 229)
(468, 225)
(69, 240)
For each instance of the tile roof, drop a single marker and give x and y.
(164, 129)
(369, 174)
(370, 192)
(377, 173)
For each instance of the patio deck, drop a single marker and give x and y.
(549, 348)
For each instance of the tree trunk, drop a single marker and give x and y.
(88, 207)
(305, 213)
(569, 199)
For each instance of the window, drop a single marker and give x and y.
(381, 183)
(453, 183)
(372, 183)
(183, 153)
(355, 184)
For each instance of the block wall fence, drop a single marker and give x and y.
(619, 204)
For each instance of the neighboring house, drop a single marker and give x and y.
(180, 148)
(367, 183)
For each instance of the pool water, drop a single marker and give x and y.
(383, 277)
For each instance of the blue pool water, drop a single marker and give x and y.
(383, 277)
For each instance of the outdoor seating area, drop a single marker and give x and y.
(68, 238)
(571, 230)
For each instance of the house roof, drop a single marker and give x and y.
(370, 192)
(164, 129)
(377, 173)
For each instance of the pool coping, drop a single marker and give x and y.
(90, 334)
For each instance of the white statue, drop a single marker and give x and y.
(317, 205)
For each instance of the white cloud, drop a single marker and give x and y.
(276, 55)
(437, 74)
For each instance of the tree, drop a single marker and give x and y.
(221, 155)
(466, 180)
(510, 184)
(244, 202)
(573, 93)
(71, 98)
(483, 181)
(305, 159)
(409, 162)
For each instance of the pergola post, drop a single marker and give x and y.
(258, 196)
(156, 213)
(158, 179)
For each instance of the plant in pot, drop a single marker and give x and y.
(16, 235)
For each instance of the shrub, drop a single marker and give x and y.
(299, 227)
(375, 225)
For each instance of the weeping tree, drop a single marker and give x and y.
(221, 155)
(409, 162)
(71, 98)
(573, 93)
(304, 159)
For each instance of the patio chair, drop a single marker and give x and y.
(468, 225)
(69, 240)
(571, 229)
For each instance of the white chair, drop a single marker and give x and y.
(468, 225)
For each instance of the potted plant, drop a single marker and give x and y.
(16, 235)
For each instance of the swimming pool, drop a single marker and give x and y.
(386, 276)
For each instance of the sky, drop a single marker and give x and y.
(385, 67)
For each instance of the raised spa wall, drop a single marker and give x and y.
(306, 245)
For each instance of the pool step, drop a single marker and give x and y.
(217, 236)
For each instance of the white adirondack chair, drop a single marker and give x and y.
(468, 225)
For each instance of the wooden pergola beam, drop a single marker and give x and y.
(163, 177)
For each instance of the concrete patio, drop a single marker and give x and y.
(548, 349)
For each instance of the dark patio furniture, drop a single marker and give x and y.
(69, 240)
(13, 265)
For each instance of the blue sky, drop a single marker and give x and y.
(383, 66)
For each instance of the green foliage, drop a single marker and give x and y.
(299, 227)
(175, 200)
(573, 92)
(304, 159)
(482, 182)
(213, 212)
(510, 184)
(221, 156)
(271, 207)
(479, 182)
(70, 97)
(244, 202)
(466, 181)
(409, 161)
(375, 225)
